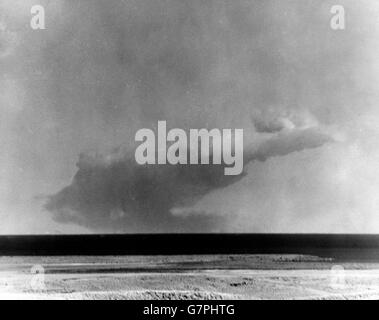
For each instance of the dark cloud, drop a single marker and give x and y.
(285, 143)
(114, 193)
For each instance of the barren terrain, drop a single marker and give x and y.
(187, 277)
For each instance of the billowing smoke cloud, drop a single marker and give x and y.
(115, 193)
(286, 143)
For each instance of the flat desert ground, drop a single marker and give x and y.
(187, 277)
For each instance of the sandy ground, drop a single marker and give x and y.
(187, 277)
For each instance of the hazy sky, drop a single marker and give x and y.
(72, 97)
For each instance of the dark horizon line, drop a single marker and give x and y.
(191, 233)
(338, 246)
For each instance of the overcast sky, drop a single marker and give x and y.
(72, 97)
